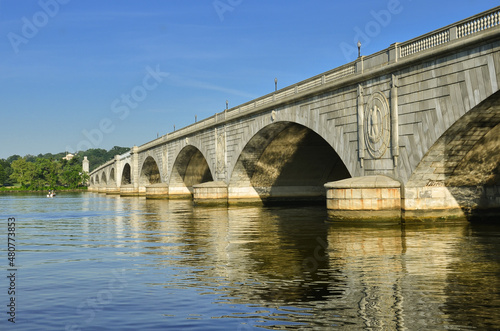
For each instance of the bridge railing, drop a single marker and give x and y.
(461, 29)
(124, 156)
(466, 27)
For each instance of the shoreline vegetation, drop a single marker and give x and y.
(62, 171)
(28, 190)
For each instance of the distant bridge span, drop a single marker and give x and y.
(424, 113)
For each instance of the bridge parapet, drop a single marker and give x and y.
(461, 29)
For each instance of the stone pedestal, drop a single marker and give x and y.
(365, 198)
(210, 193)
(157, 191)
(129, 191)
(112, 190)
(179, 192)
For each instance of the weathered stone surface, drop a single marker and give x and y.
(180, 192)
(369, 197)
(101, 189)
(210, 193)
(157, 191)
(112, 190)
(129, 190)
(368, 182)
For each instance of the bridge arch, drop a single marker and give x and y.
(126, 178)
(150, 172)
(462, 167)
(190, 168)
(285, 160)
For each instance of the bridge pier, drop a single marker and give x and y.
(157, 191)
(112, 190)
(242, 194)
(364, 198)
(252, 195)
(210, 193)
(179, 192)
(455, 202)
(382, 198)
(129, 191)
(101, 189)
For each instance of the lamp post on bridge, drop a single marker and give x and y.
(359, 48)
(275, 84)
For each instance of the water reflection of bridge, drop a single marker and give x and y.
(396, 276)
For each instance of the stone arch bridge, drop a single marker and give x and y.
(413, 128)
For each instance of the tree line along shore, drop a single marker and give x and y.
(51, 171)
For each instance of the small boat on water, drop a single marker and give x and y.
(51, 194)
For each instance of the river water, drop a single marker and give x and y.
(86, 261)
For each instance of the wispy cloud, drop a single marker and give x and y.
(193, 83)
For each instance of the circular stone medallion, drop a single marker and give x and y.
(377, 125)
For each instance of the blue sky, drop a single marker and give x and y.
(80, 74)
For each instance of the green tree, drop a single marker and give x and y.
(2, 175)
(49, 170)
(98, 156)
(30, 158)
(71, 173)
(45, 174)
(12, 158)
(7, 170)
(23, 172)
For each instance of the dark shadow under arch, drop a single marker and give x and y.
(287, 161)
(190, 168)
(126, 175)
(150, 173)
